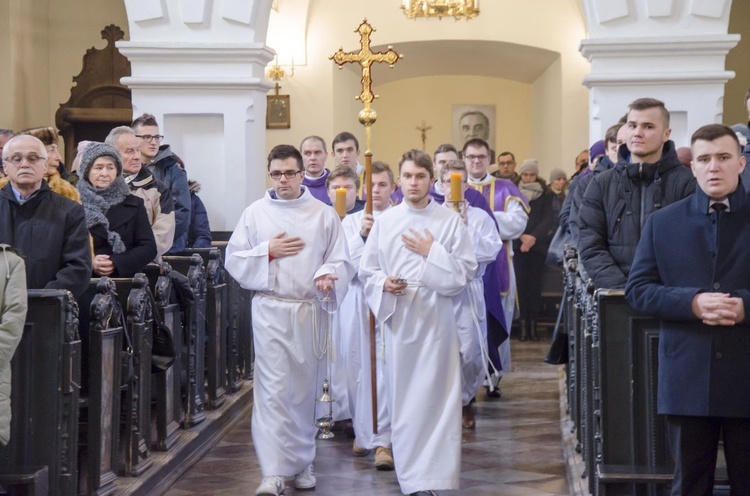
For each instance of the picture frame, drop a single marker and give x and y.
(479, 122)
(278, 112)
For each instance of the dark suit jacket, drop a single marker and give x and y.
(130, 220)
(49, 232)
(703, 370)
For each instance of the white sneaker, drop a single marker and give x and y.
(273, 485)
(305, 479)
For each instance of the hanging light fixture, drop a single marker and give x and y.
(440, 8)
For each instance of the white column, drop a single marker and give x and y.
(198, 66)
(666, 49)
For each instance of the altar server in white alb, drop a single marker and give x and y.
(471, 312)
(355, 317)
(290, 249)
(417, 258)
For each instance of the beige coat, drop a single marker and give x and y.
(13, 303)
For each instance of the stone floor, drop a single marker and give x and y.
(516, 449)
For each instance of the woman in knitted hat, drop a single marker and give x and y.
(530, 250)
(117, 221)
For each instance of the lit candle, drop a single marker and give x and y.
(341, 202)
(457, 190)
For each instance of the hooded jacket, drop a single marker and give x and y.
(166, 169)
(615, 207)
(13, 304)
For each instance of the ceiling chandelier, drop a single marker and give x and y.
(440, 8)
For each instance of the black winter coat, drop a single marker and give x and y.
(130, 220)
(49, 232)
(615, 207)
(199, 234)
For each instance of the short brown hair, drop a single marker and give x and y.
(476, 143)
(344, 136)
(712, 132)
(420, 159)
(343, 171)
(313, 137)
(378, 167)
(648, 103)
(280, 152)
(611, 135)
(145, 120)
(453, 165)
(47, 135)
(444, 148)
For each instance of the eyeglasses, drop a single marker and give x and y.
(472, 158)
(506, 162)
(31, 158)
(276, 175)
(150, 137)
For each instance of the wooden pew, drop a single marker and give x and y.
(41, 457)
(135, 434)
(193, 349)
(99, 425)
(241, 354)
(572, 315)
(166, 385)
(631, 442)
(219, 341)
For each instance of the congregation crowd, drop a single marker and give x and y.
(450, 256)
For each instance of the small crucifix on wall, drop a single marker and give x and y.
(423, 129)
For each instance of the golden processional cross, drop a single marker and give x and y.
(367, 117)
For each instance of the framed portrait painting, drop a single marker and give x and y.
(278, 112)
(473, 121)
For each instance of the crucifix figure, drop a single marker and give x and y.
(367, 117)
(424, 128)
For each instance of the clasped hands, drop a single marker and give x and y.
(718, 309)
(103, 266)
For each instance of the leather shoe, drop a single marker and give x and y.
(383, 458)
(358, 450)
(467, 417)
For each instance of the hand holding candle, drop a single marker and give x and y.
(341, 202)
(457, 190)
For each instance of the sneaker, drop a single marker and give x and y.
(383, 458)
(272, 485)
(305, 479)
(358, 450)
(424, 493)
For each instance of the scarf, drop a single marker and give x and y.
(531, 191)
(96, 203)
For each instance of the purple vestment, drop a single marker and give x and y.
(317, 186)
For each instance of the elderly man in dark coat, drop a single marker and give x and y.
(692, 270)
(47, 229)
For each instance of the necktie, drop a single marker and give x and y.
(719, 207)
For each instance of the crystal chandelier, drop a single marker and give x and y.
(440, 8)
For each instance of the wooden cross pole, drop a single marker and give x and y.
(367, 117)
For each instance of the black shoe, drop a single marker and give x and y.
(534, 334)
(495, 393)
(524, 331)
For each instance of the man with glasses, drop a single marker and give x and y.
(166, 168)
(506, 168)
(155, 195)
(512, 213)
(48, 229)
(290, 249)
